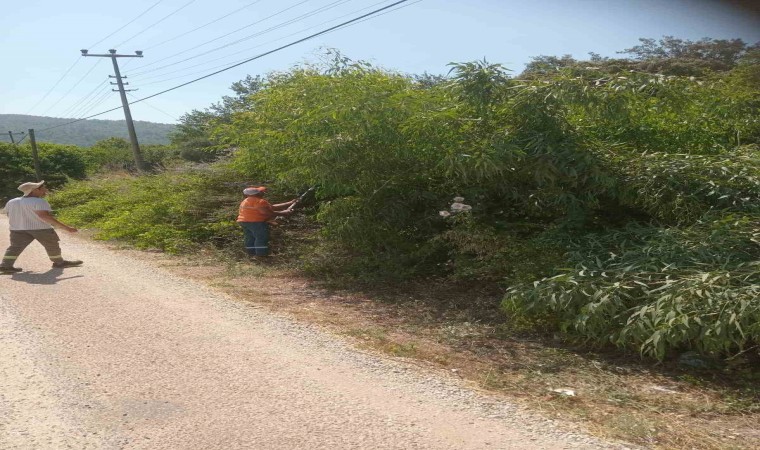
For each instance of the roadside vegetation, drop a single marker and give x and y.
(611, 204)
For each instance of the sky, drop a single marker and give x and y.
(44, 73)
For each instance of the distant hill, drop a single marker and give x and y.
(84, 133)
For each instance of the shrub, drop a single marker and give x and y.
(58, 164)
(657, 290)
(170, 211)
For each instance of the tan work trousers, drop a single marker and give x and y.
(21, 239)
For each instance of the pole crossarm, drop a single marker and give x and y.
(115, 55)
(112, 54)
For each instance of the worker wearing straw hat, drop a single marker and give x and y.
(30, 218)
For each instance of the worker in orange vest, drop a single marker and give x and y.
(254, 217)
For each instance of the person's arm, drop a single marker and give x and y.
(269, 210)
(47, 217)
(283, 212)
(281, 206)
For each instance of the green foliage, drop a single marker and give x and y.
(58, 163)
(16, 168)
(194, 136)
(678, 188)
(657, 290)
(517, 251)
(684, 57)
(632, 196)
(161, 211)
(341, 131)
(666, 56)
(115, 154)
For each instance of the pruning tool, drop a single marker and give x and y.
(300, 198)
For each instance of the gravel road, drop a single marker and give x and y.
(121, 354)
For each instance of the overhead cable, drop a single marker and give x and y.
(96, 103)
(154, 107)
(80, 119)
(388, 12)
(78, 104)
(93, 45)
(252, 48)
(155, 23)
(93, 103)
(202, 26)
(312, 36)
(72, 87)
(128, 23)
(225, 35)
(251, 36)
(54, 85)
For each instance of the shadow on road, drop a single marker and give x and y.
(49, 277)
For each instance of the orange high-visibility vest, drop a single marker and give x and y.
(255, 209)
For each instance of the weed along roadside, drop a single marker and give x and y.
(584, 239)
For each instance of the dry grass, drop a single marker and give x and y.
(459, 330)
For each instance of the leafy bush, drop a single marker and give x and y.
(115, 154)
(165, 211)
(646, 184)
(17, 167)
(680, 188)
(58, 163)
(657, 290)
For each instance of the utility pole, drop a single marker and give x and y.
(11, 133)
(35, 155)
(125, 104)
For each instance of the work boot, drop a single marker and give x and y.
(63, 264)
(11, 269)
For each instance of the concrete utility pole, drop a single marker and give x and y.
(35, 155)
(125, 104)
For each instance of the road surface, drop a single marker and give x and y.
(121, 354)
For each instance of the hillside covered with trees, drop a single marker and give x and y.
(85, 133)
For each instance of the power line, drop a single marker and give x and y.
(54, 85)
(202, 26)
(272, 28)
(78, 104)
(128, 23)
(80, 119)
(22, 139)
(94, 102)
(156, 23)
(388, 12)
(341, 25)
(225, 35)
(72, 88)
(78, 59)
(154, 107)
(333, 28)
(255, 47)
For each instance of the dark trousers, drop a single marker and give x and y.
(21, 239)
(256, 238)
